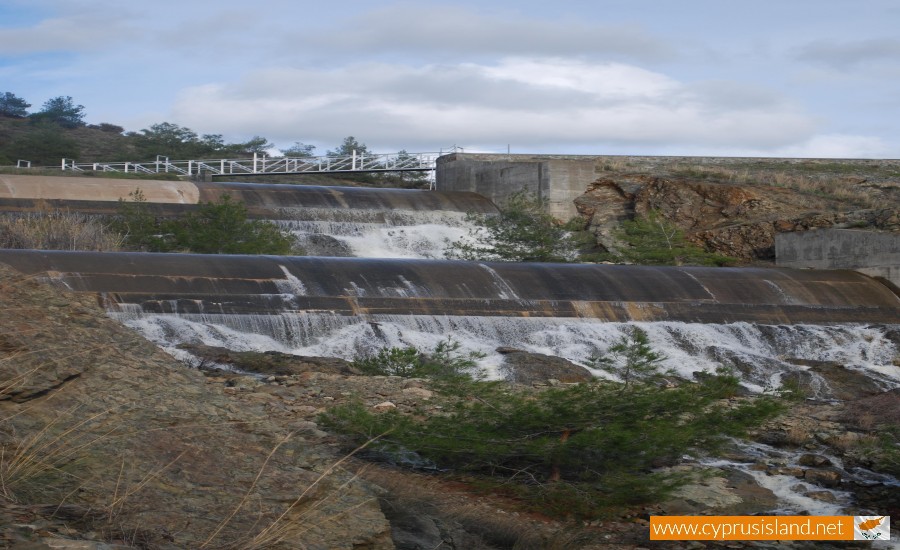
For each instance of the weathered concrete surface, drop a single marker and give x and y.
(186, 283)
(170, 198)
(874, 253)
(95, 189)
(558, 179)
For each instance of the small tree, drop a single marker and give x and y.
(299, 150)
(347, 147)
(215, 228)
(631, 359)
(223, 228)
(61, 110)
(654, 240)
(521, 232)
(13, 106)
(140, 227)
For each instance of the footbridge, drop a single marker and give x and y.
(264, 164)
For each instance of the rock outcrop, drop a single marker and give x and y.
(735, 220)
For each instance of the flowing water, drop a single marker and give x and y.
(376, 234)
(760, 354)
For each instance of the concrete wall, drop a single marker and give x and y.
(557, 178)
(563, 178)
(873, 253)
(95, 189)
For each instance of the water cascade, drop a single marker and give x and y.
(762, 322)
(326, 221)
(766, 324)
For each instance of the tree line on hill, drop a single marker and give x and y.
(58, 130)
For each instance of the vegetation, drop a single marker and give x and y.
(632, 360)
(57, 230)
(44, 145)
(12, 105)
(59, 131)
(444, 362)
(653, 240)
(521, 232)
(220, 227)
(62, 111)
(574, 450)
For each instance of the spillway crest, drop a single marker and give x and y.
(186, 283)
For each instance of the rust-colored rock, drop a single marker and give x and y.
(737, 220)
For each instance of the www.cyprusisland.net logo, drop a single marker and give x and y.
(871, 527)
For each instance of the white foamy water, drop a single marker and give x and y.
(759, 354)
(379, 234)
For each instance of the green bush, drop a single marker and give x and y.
(521, 232)
(218, 227)
(653, 240)
(444, 362)
(631, 359)
(223, 228)
(584, 447)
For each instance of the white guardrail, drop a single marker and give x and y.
(263, 164)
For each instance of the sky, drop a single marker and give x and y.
(785, 78)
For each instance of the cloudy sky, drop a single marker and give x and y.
(809, 78)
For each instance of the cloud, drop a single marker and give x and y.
(526, 101)
(414, 29)
(848, 55)
(71, 34)
(840, 146)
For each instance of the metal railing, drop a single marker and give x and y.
(263, 164)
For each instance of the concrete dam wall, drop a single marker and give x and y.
(269, 285)
(271, 201)
(876, 254)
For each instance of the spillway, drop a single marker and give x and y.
(754, 320)
(325, 220)
(271, 201)
(265, 285)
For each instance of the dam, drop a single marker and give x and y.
(755, 320)
(268, 285)
(325, 220)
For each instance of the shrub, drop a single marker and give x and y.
(58, 230)
(521, 232)
(582, 448)
(653, 240)
(223, 228)
(444, 362)
(141, 228)
(215, 228)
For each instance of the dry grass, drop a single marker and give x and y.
(47, 451)
(798, 436)
(504, 528)
(57, 230)
(834, 185)
(300, 516)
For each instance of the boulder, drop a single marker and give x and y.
(267, 363)
(523, 367)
